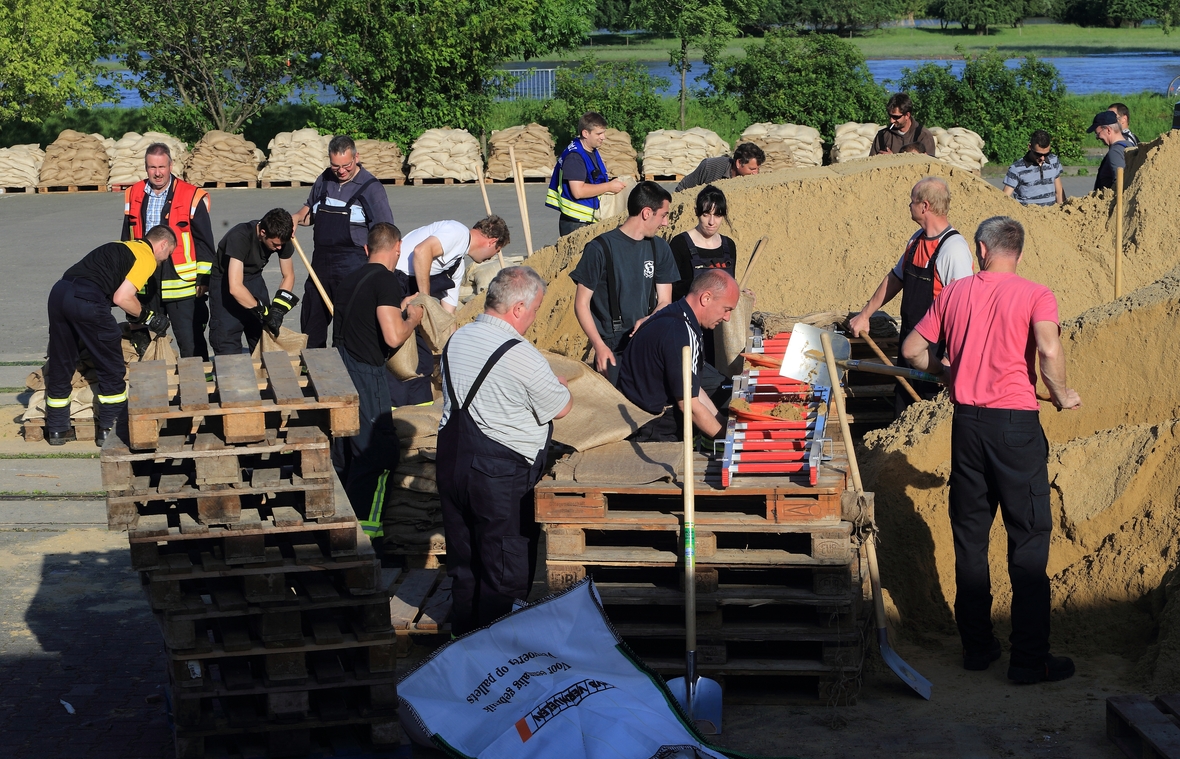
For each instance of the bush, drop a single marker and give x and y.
(1002, 104)
(816, 79)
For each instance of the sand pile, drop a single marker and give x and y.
(669, 151)
(445, 154)
(75, 159)
(533, 146)
(619, 155)
(223, 157)
(20, 165)
(127, 164)
(786, 145)
(299, 156)
(383, 160)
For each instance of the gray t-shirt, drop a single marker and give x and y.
(639, 266)
(520, 395)
(376, 201)
(954, 260)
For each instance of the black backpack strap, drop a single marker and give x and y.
(483, 373)
(948, 234)
(652, 299)
(612, 285)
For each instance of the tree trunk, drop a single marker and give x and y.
(683, 80)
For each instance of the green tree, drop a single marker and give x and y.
(612, 15)
(47, 54)
(1133, 12)
(704, 24)
(403, 67)
(981, 15)
(817, 79)
(217, 63)
(624, 92)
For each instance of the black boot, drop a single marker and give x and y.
(61, 438)
(101, 436)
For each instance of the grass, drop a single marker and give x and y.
(1151, 114)
(1042, 40)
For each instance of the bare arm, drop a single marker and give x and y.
(921, 354)
(394, 329)
(287, 269)
(1052, 358)
(704, 414)
(302, 217)
(1009, 190)
(582, 190)
(126, 299)
(424, 254)
(889, 287)
(236, 287)
(1060, 189)
(569, 404)
(602, 354)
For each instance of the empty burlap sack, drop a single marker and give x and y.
(959, 147)
(445, 154)
(382, 159)
(668, 151)
(786, 145)
(404, 361)
(730, 338)
(853, 141)
(81, 404)
(533, 146)
(127, 165)
(613, 204)
(600, 414)
(438, 324)
(20, 165)
(223, 157)
(159, 349)
(299, 156)
(83, 375)
(288, 340)
(619, 155)
(75, 159)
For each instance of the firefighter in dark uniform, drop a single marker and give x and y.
(183, 279)
(500, 400)
(344, 204)
(238, 299)
(934, 256)
(80, 312)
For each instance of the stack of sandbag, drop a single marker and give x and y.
(533, 146)
(20, 165)
(299, 156)
(127, 164)
(413, 523)
(417, 431)
(223, 157)
(959, 147)
(619, 155)
(382, 159)
(445, 154)
(853, 141)
(75, 159)
(83, 386)
(668, 151)
(786, 145)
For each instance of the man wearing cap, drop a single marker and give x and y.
(1106, 128)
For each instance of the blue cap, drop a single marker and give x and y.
(1104, 118)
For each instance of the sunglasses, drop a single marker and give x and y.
(896, 116)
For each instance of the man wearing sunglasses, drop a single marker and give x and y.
(1035, 180)
(903, 129)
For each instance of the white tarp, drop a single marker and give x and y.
(549, 680)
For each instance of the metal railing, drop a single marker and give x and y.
(529, 84)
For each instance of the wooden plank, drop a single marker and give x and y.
(328, 376)
(403, 607)
(148, 391)
(284, 383)
(236, 383)
(194, 393)
(1158, 732)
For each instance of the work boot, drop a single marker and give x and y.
(1052, 669)
(61, 438)
(977, 661)
(101, 436)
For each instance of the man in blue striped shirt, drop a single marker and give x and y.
(1035, 180)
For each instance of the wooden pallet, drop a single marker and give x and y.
(33, 430)
(236, 401)
(318, 738)
(245, 184)
(327, 663)
(662, 177)
(17, 190)
(440, 180)
(267, 183)
(510, 180)
(388, 181)
(1145, 729)
(292, 704)
(42, 188)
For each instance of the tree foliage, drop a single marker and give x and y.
(401, 67)
(624, 92)
(215, 63)
(47, 54)
(1003, 105)
(818, 79)
(612, 15)
(981, 15)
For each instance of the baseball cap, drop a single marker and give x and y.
(1104, 118)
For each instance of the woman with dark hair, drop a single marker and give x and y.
(703, 247)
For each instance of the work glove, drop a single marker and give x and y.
(282, 304)
(261, 311)
(140, 340)
(156, 323)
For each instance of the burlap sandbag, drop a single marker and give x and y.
(600, 414)
(730, 338)
(160, 349)
(417, 422)
(288, 340)
(404, 362)
(438, 324)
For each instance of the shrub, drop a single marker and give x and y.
(817, 79)
(1004, 105)
(624, 92)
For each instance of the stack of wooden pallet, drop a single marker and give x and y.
(270, 599)
(781, 590)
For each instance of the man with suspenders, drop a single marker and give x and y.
(345, 202)
(935, 256)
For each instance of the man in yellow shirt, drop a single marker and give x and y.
(80, 311)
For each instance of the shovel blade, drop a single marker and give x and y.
(706, 703)
(908, 674)
(801, 367)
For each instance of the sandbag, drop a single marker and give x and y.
(299, 156)
(75, 159)
(668, 151)
(619, 155)
(445, 154)
(785, 145)
(533, 147)
(20, 165)
(127, 163)
(223, 157)
(600, 414)
(853, 141)
(612, 204)
(289, 340)
(438, 324)
(959, 147)
(382, 159)
(404, 361)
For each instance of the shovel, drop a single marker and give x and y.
(699, 696)
(908, 674)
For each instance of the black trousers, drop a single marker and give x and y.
(331, 265)
(567, 224)
(365, 460)
(416, 391)
(998, 458)
(79, 312)
(228, 320)
(189, 317)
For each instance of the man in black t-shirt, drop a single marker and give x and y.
(624, 276)
(650, 368)
(238, 298)
(369, 325)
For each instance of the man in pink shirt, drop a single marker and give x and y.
(994, 326)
